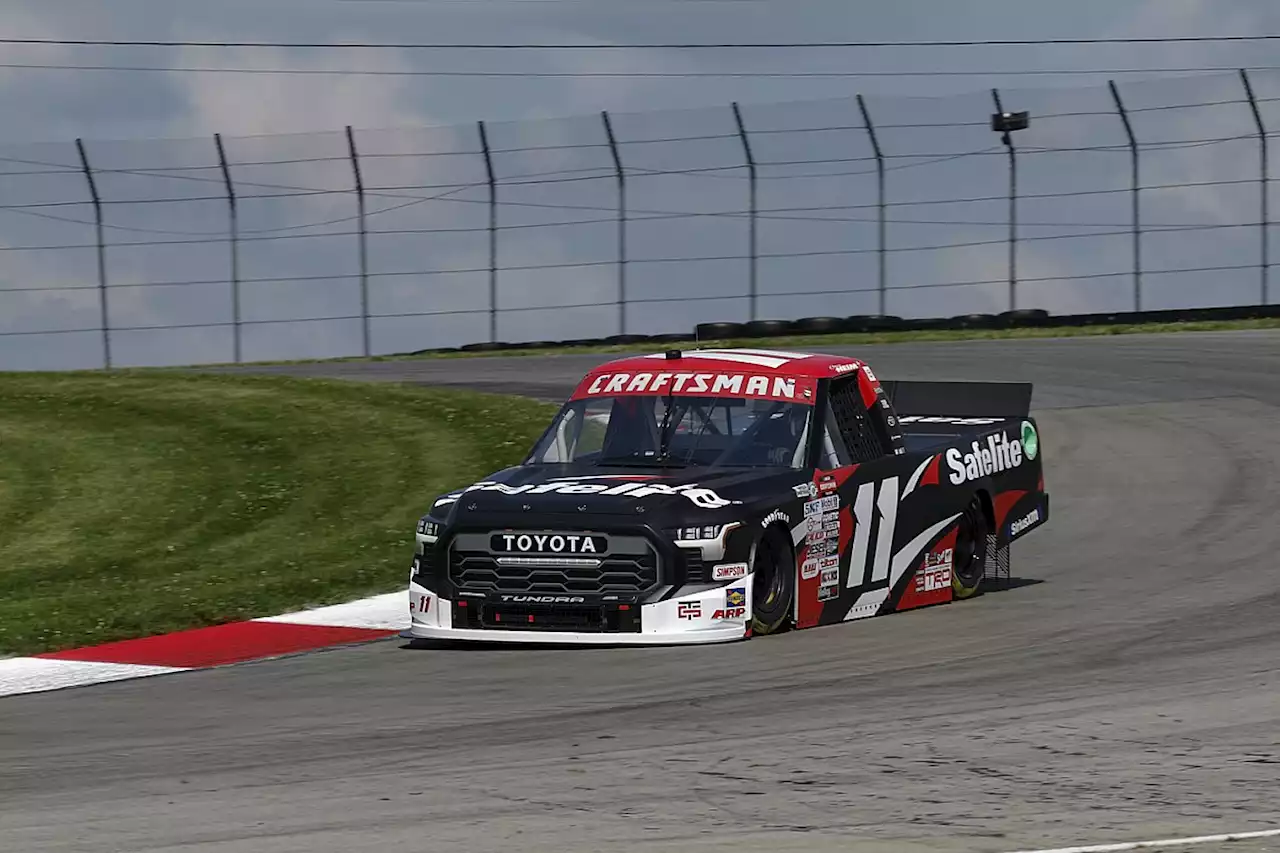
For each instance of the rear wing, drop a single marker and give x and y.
(958, 399)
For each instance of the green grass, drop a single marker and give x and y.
(137, 503)
(817, 342)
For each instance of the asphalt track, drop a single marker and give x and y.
(1126, 690)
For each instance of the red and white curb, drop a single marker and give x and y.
(270, 636)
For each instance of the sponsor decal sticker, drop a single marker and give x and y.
(996, 455)
(729, 571)
(730, 613)
(702, 497)
(827, 593)
(935, 574)
(689, 610)
(1032, 518)
(809, 568)
(827, 483)
(715, 384)
(805, 490)
(812, 508)
(776, 515)
(830, 577)
(831, 503)
(735, 596)
(1030, 439)
(846, 368)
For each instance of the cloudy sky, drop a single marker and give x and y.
(151, 135)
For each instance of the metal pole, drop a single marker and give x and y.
(102, 255)
(235, 248)
(364, 240)
(622, 222)
(493, 232)
(1266, 184)
(751, 171)
(1137, 206)
(880, 201)
(1007, 139)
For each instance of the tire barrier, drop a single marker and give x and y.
(864, 323)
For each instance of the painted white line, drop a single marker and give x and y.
(1164, 842)
(35, 675)
(389, 611)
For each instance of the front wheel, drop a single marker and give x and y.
(773, 589)
(970, 558)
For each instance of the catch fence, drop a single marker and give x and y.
(1129, 197)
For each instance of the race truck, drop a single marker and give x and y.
(712, 495)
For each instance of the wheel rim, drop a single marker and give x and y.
(970, 542)
(768, 582)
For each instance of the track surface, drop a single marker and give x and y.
(1130, 693)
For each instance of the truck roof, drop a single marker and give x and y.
(759, 373)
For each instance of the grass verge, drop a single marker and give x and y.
(139, 503)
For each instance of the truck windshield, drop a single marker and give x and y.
(659, 430)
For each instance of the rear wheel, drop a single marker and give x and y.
(773, 588)
(970, 556)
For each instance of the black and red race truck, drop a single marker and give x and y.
(712, 495)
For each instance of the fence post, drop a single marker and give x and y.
(102, 255)
(364, 240)
(493, 232)
(622, 222)
(880, 201)
(1265, 186)
(1007, 139)
(751, 236)
(1136, 189)
(235, 248)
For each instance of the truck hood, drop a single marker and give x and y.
(591, 490)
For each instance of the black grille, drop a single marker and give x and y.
(476, 569)
(695, 570)
(583, 618)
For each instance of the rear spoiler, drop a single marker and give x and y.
(959, 399)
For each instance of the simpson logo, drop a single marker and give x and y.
(1022, 524)
(729, 571)
(547, 543)
(705, 498)
(999, 454)
(717, 384)
(544, 599)
(689, 610)
(827, 483)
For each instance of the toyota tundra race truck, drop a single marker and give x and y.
(711, 495)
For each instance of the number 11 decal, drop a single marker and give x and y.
(862, 571)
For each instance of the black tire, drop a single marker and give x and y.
(719, 331)
(1025, 317)
(767, 328)
(874, 323)
(819, 325)
(773, 590)
(970, 557)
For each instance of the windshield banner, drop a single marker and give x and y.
(791, 389)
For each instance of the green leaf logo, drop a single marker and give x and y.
(1030, 441)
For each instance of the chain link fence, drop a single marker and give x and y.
(1137, 196)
